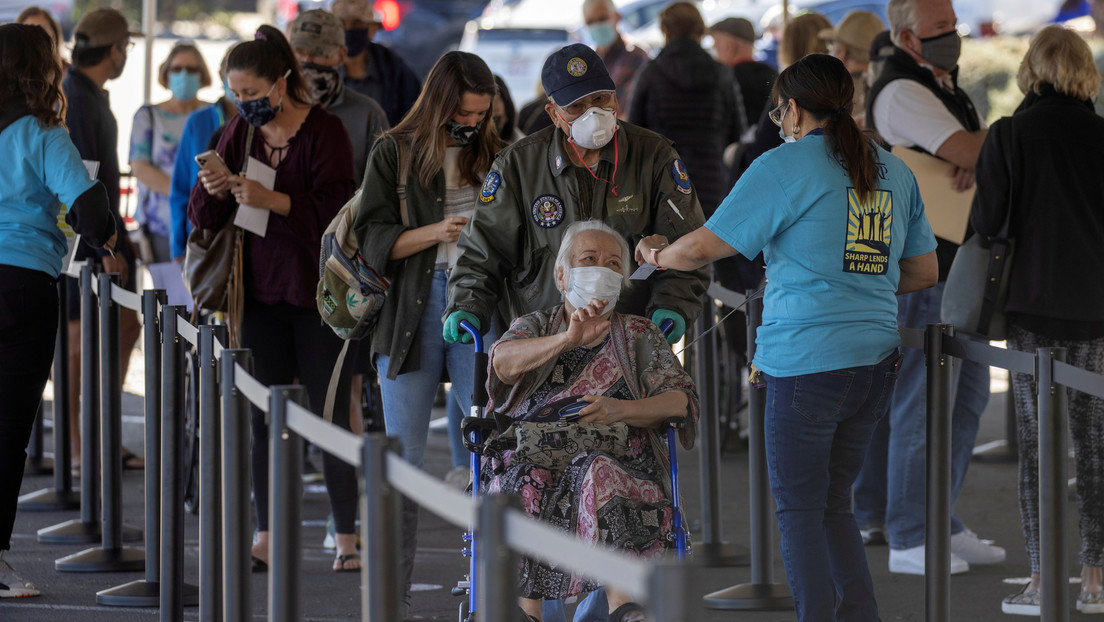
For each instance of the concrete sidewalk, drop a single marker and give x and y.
(988, 505)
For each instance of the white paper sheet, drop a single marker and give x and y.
(169, 276)
(255, 219)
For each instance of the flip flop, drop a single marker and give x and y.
(258, 564)
(342, 559)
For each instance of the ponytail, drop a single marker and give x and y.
(269, 56)
(823, 87)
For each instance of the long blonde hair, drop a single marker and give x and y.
(422, 130)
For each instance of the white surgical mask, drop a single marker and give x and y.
(586, 284)
(594, 128)
(782, 128)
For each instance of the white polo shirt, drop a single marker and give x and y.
(906, 113)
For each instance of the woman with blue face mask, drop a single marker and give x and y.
(279, 127)
(154, 137)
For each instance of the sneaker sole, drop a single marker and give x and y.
(1093, 608)
(919, 572)
(1021, 610)
(19, 593)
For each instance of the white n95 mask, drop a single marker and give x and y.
(585, 284)
(594, 128)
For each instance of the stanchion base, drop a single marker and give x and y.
(995, 452)
(39, 466)
(720, 554)
(123, 559)
(142, 593)
(49, 500)
(77, 532)
(751, 597)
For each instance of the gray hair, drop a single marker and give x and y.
(902, 16)
(567, 244)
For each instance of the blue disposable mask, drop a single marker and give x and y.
(184, 85)
(226, 88)
(260, 111)
(356, 40)
(603, 34)
(782, 128)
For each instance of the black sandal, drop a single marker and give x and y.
(257, 564)
(629, 612)
(341, 559)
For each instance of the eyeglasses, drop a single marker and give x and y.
(184, 69)
(602, 99)
(778, 113)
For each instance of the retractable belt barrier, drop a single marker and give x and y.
(504, 530)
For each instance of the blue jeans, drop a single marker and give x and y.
(890, 490)
(818, 427)
(408, 399)
(593, 608)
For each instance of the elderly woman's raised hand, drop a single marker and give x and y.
(586, 324)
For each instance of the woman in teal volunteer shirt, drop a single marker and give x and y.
(42, 171)
(842, 228)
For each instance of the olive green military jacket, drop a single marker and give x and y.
(533, 193)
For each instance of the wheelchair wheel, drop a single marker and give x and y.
(191, 432)
(463, 613)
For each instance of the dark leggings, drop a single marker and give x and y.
(28, 328)
(290, 342)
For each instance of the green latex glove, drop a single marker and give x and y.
(452, 331)
(680, 324)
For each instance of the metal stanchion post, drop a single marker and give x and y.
(712, 550)
(667, 589)
(762, 593)
(381, 592)
(112, 556)
(937, 537)
(285, 478)
(497, 595)
(237, 603)
(175, 594)
(86, 529)
(210, 493)
(1053, 431)
(146, 592)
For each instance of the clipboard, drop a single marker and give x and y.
(947, 210)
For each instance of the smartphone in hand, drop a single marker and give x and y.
(211, 161)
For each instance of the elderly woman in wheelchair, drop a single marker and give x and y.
(587, 392)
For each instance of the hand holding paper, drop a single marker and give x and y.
(248, 192)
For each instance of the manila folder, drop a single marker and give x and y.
(948, 211)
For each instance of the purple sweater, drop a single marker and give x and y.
(317, 173)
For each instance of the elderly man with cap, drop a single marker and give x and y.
(587, 166)
(623, 60)
(850, 42)
(101, 41)
(734, 44)
(318, 39)
(372, 69)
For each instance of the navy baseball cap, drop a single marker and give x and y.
(574, 71)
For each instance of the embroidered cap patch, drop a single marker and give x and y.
(576, 67)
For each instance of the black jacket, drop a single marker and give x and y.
(688, 97)
(1056, 144)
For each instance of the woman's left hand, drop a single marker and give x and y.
(249, 192)
(645, 246)
(602, 409)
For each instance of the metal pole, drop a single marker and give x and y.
(712, 550)
(149, 17)
(381, 590)
(668, 586)
(937, 537)
(175, 594)
(497, 594)
(285, 479)
(762, 593)
(147, 592)
(237, 603)
(210, 493)
(1053, 430)
(112, 556)
(60, 497)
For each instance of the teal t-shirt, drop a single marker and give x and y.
(42, 170)
(831, 258)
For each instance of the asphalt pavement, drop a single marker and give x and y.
(987, 504)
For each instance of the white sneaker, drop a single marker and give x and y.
(874, 535)
(973, 550)
(459, 478)
(911, 561)
(13, 585)
(1022, 603)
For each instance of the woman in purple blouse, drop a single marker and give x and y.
(313, 159)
